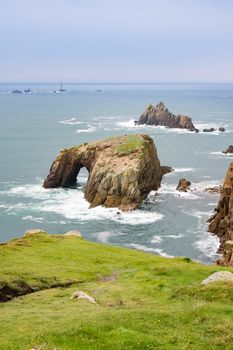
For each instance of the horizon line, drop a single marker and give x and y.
(116, 82)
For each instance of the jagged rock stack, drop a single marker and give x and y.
(160, 115)
(221, 222)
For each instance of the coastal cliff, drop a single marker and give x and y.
(122, 170)
(160, 115)
(221, 223)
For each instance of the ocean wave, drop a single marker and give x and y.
(71, 121)
(126, 124)
(156, 239)
(71, 204)
(103, 236)
(90, 129)
(171, 189)
(180, 235)
(183, 170)
(208, 245)
(150, 250)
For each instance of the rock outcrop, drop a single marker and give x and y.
(209, 130)
(221, 222)
(160, 115)
(183, 185)
(122, 170)
(229, 150)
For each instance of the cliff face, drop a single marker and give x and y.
(221, 223)
(160, 115)
(122, 170)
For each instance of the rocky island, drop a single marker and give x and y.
(221, 222)
(122, 170)
(160, 115)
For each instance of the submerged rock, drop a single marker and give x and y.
(209, 130)
(228, 150)
(183, 185)
(213, 190)
(221, 129)
(16, 92)
(160, 115)
(122, 170)
(221, 222)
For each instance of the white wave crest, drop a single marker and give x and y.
(150, 250)
(90, 129)
(71, 121)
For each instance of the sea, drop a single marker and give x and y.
(35, 126)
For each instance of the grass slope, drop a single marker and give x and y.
(149, 302)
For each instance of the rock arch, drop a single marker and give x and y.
(122, 170)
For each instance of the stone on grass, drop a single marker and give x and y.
(220, 276)
(81, 295)
(33, 232)
(73, 233)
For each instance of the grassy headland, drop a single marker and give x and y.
(143, 301)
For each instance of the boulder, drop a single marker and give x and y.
(166, 169)
(213, 190)
(220, 276)
(183, 185)
(160, 115)
(209, 130)
(221, 129)
(221, 222)
(33, 232)
(228, 150)
(73, 234)
(81, 295)
(123, 170)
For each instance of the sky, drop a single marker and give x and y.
(116, 40)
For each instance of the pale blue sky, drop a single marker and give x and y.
(116, 40)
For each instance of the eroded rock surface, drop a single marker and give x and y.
(160, 115)
(229, 150)
(183, 185)
(122, 170)
(221, 222)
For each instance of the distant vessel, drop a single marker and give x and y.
(16, 92)
(98, 90)
(61, 89)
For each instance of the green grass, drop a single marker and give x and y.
(154, 302)
(130, 144)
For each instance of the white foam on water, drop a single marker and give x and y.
(208, 245)
(103, 236)
(201, 186)
(156, 239)
(183, 170)
(71, 121)
(150, 250)
(71, 204)
(126, 124)
(36, 219)
(171, 189)
(180, 235)
(90, 129)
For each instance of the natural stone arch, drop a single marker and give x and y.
(122, 170)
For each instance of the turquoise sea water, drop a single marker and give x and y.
(34, 127)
